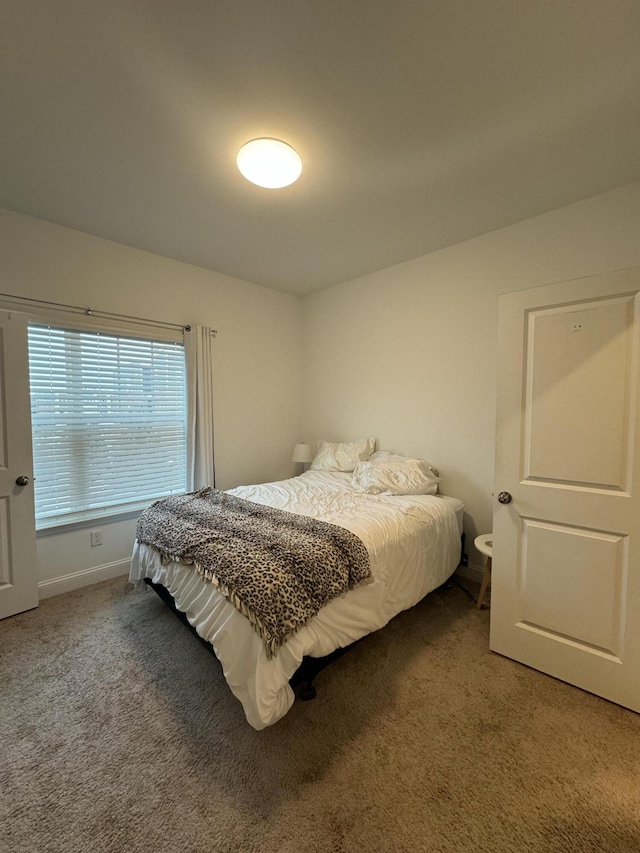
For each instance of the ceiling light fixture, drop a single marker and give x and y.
(269, 163)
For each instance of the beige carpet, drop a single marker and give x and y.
(118, 733)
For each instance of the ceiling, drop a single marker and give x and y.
(420, 123)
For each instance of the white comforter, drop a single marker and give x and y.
(413, 544)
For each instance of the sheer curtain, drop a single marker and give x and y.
(200, 456)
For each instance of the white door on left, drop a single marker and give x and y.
(18, 576)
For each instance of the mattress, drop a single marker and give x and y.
(413, 544)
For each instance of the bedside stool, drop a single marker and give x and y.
(484, 544)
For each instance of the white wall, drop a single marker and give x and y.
(257, 358)
(408, 353)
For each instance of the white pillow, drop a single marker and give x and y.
(388, 456)
(342, 457)
(385, 456)
(398, 476)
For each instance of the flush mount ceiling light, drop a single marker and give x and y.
(269, 163)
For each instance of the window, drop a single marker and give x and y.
(108, 421)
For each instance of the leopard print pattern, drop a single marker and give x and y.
(276, 567)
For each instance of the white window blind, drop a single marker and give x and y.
(108, 422)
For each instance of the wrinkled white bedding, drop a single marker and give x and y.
(413, 544)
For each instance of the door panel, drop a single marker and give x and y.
(6, 563)
(570, 583)
(18, 575)
(576, 407)
(566, 558)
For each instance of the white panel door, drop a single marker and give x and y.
(566, 541)
(18, 577)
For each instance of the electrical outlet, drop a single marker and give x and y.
(96, 538)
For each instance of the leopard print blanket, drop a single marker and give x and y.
(276, 567)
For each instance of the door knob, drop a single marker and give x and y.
(504, 497)
(22, 481)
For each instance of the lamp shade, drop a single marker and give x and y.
(302, 453)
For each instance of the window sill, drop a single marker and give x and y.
(84, 523)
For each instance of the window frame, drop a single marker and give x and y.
(86, 322)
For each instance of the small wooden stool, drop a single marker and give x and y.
(484, 544)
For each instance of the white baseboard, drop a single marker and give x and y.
(75, 580)
(471, 572)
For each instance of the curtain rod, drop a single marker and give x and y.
(91, 312)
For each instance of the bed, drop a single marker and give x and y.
(413, 543)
